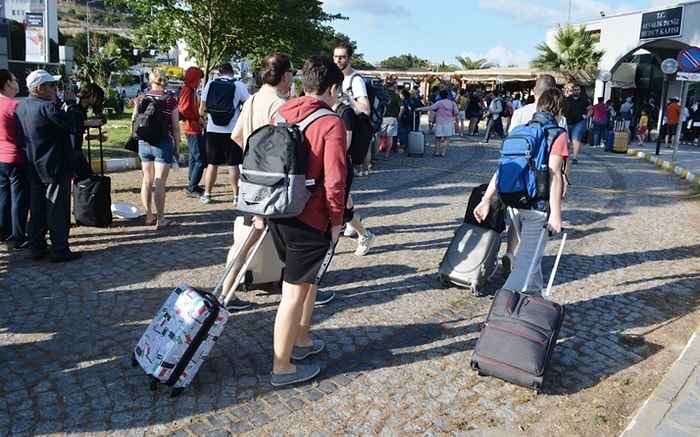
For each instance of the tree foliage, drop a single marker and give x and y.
(216, 31)
(78, 42)
(97, 67)
(574, 55)
(404, 62)
(466, 63)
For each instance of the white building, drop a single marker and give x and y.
(636, 44)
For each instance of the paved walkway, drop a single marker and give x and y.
(397, 361)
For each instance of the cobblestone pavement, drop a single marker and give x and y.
(398, 344)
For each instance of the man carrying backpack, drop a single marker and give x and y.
(221, 100)
(495, 124)
(304, 241)
(534, 214)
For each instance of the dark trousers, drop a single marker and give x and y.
(14, 201)
(50, 211)
(494, 125)
(196, 145)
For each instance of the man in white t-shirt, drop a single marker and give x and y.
(353, 84)
(220, 148)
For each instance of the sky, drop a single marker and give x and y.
(504, 32)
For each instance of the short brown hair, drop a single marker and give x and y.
(551, 100)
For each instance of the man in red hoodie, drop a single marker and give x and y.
(303, 241)
(192, 123)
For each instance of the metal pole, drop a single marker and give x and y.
(88, 29)
(676, 140)
(664, 91)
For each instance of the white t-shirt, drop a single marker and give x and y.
(356, 88)
(525, 113)
(241, 95)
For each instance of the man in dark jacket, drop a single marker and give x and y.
(44, 140)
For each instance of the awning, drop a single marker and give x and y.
(624, 75)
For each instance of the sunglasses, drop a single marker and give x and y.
(51, 84)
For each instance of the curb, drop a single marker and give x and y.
(675, 390)
(670, 166)
(124, 164)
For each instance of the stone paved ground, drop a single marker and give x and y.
(398, 345)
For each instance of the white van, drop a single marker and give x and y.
(128, 84)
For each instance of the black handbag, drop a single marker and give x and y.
(132, 144)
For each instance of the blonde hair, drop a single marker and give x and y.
(157, 77)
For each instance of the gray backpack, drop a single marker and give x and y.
(273, 174)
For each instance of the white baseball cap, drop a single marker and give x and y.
(38, 77)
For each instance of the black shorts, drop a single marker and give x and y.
(221, 149)
(301, 248)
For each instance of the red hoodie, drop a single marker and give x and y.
(326, 162)
(188, 104)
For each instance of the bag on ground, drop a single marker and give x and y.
(273, 180)
(220, 104)
(522, 177)
(149, 123)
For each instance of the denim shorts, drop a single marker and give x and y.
(577, 130)
(161, 152)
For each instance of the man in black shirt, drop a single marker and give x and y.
(579, 110)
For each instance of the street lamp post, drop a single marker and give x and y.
(604, 76)
(87, 18)
(668, 67)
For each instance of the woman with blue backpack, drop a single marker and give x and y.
(538, 204)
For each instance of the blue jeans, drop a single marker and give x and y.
(577, 130)
(14, 201)
(403, 134)
(198, 159)
(599, 129)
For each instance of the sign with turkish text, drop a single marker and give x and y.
(689, 77)
(34, 37)
(665, 23)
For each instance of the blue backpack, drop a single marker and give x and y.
(220, 104)
(522, 177)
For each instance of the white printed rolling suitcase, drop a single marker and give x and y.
(180, 337)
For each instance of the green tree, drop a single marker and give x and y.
(218, 30)
(574, 55)
(99, 65)
(466, 63)
(403, 62)
(99, 39)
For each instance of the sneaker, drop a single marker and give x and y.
(237, 305)
(365, 173)
(357, 172)
(323, 297)
(302, 373)
(350, 231)
(194, 194)
(19, 245)
(364, 243)
(301, 352)
(507, 262)
(574, 161)
(66, 256)
(205, 199)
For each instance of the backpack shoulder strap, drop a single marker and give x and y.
(303, 124)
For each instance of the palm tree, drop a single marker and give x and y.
(574, 55)
(478, 64)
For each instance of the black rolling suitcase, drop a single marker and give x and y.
(520, 333)
(92, 195)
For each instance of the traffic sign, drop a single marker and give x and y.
(689, 77)
(689, 59)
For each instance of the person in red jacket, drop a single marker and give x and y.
(302, 242)
(192, 124)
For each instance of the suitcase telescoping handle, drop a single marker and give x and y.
(99, 138)
(224, 298)
(531, 269)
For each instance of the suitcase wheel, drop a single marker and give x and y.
(443, 282)
(154, 384)
(176, 392)
(134, 362)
